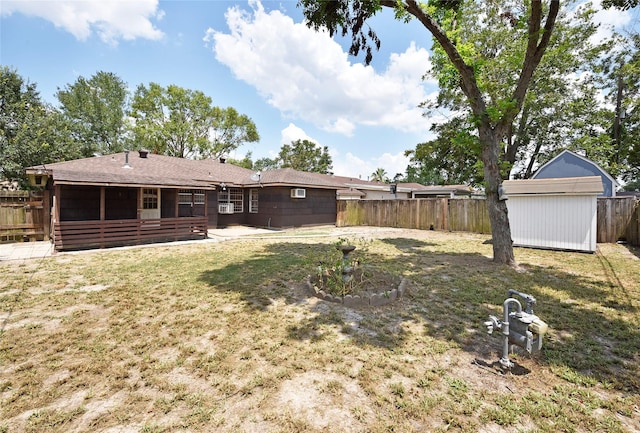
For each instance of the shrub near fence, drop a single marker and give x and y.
(618, 218)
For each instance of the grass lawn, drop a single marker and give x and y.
(206, 337)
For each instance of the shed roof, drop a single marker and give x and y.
(570, 164)
(565, 185)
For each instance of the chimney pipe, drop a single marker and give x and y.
(126, 159)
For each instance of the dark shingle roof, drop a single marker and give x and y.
(167, 171)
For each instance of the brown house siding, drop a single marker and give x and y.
(212, 211)
(277, 209)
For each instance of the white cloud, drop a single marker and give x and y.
(307, 75)
(111, 20)
(352, 165)
(608, 20)
(292, 133)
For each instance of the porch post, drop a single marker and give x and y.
(56, 203)
(177, 207)
(102, 203)
(206, 204)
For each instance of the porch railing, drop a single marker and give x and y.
(100, 234)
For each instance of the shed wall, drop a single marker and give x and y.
(554, 221)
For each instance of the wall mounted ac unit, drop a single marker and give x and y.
(298, 193)
(225, 208)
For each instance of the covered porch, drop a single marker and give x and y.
(100, 216)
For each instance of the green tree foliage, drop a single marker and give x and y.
(179, 122)
(265, 164)
(450, 158)
(620, 4)
(31, 132)
(380, 175)
(245, 162)
(621, 82)
(96, 110)
(492, 117)
(558, 111)
(305, 155)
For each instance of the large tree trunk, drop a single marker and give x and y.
(498, 214)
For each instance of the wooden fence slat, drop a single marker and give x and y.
(618, 217)
(21, 215)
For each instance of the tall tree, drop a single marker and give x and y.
(492, 117)
(621, 83)
(31, 132)
(379, 175)
(96, 108)
(305, 155)
(181, 122)
(557, 112)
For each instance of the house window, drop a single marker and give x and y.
(149, 198)
(198, 196)
(253, 201)
(234, 196)
(185, 196)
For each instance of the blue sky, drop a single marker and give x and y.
(257, 57)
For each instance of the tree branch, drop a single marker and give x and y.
(469, 84)
(535, 51)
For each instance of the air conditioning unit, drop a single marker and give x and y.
(225, 208)
(298, 193)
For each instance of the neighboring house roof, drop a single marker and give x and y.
(351, 193)
(587, 185)
(570, 164)
(436, 190)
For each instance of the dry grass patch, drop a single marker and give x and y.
(224, 337)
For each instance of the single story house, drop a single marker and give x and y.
(140, 197)
(570, 164)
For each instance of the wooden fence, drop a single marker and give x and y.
(21, 216)
(618, 218)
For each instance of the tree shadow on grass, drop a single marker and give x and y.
(594, 331)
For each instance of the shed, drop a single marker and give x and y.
(556, 213)
(569, 164)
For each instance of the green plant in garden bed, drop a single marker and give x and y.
(364, 277)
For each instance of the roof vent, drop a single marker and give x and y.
(143, 153)
(126, 160)
(222, 160)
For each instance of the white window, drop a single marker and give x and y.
(233, 196)
(253, 201)
(198, 196)
(149, 198)
(191, 196)
(184, 197)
